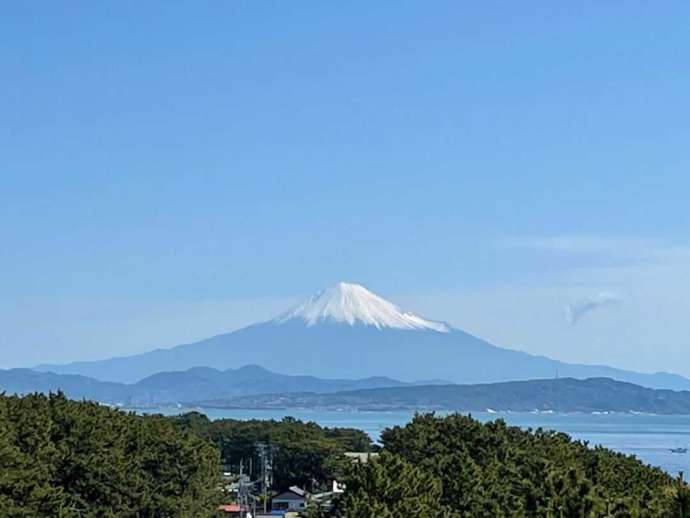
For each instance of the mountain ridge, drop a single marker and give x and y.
(312, 341)
(171, 387)
(253, 387)
(563, 395)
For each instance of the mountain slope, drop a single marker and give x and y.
(345, 332)
(173, 387)
(24, 381)
(557, 395)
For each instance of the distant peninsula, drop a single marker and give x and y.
(564, 395)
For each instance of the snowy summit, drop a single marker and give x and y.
(354, 304)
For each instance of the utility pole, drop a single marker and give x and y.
(264, 474)
(265, 452)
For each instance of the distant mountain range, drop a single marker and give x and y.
(346, 331)
(257, 388)
(555, 395)
(173, 387)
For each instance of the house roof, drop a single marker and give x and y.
(298, 491)
(291, 492)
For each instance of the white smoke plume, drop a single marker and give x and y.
(576, 312)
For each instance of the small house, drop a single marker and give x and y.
(292, 500)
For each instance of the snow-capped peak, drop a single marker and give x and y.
(354, 304)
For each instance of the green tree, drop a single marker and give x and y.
(388, 487)
(67, 458)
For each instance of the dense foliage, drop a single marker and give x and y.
(66, 458)
(302, 454)
(456, 466)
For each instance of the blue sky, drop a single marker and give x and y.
(172, 171)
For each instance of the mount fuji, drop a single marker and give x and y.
(354, 304)
(346, 331)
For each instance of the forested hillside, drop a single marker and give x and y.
(65, 458)
(61, 458)
(457, 467)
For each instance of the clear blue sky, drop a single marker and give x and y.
(174, 170)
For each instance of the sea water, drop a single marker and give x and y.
(648, 437)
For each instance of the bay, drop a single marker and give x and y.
(648, 437)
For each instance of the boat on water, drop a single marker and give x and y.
(679, 450)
